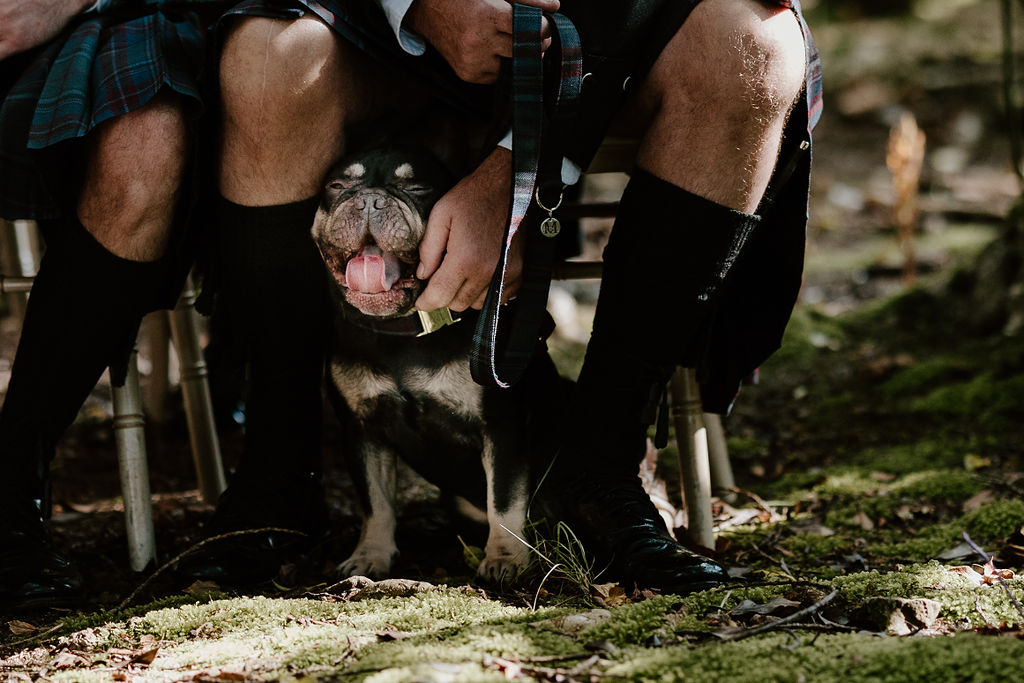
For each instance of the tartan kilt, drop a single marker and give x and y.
(102, 66)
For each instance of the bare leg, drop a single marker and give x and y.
(713, 110)
(290, 88)
(133, 179)
(716, 101)
(97, 278)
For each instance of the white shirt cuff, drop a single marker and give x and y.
(395, 11)
(570, 171)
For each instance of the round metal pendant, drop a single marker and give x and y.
(550, 227)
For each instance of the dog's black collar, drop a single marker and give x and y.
(415, 324)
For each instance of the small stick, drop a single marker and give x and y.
(38, 636)
(244, 532)
(800, 614)
(985, 556)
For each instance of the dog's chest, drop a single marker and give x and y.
(407, 390)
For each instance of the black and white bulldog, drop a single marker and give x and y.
(400, 392)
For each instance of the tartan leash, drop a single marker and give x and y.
(496, 360)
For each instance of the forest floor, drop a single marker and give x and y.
(883, 435)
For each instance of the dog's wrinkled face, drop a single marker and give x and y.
(371, 219)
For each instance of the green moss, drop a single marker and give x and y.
(430, 610)
(979, 398)
(994, 521)
(634, 624)
(921, 376)
(808, 332)
(924, 454)
(964, 603)
(967, 657)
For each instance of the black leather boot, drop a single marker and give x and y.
(273, 298)
(669, 254)
(82, 317)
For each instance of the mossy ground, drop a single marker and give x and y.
(892, 446)
(876, 439)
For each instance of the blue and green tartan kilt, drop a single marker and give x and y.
(103, 66)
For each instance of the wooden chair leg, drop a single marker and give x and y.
(19, 255)
(157, 326)
(129, 433)
(195, 389)
(722, 480)
(694, 468)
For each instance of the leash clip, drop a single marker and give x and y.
(434, 320)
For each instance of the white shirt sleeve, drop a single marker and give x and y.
(395, 11)
(570, 171)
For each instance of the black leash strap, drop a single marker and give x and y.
(497, 358)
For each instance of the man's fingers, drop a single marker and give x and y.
(467, 297)
(503, 44)
(545, 5)
(441, 290)
(503, 21)
(545, 28)
(435, 239)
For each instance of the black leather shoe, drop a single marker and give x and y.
(33, 573)
(295, 509)
(615, 519)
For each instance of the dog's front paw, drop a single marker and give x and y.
(373, 562)
(503, 562)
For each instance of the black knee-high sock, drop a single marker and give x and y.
(82, 316)
(274, 298)
(669, 254)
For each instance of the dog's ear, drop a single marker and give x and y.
(442, 133)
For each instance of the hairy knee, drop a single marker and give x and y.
(742, 55)
(271, 65)
(133, 176)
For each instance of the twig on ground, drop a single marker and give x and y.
(985, 556)
(756, 499)
(785, 621)
(244, 532)
(38, 636)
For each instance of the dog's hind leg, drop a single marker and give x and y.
(376, 466)
(507, 493)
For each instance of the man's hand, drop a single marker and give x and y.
(23, 25)
(472, 35)
(463, 241)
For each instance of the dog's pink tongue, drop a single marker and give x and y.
(372, 271)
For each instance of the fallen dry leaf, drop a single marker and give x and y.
(750, 607)
(65, 659)
(974, 462)
(571, 624)
(145, 657)
(203, 588)
(609, 594)
(862, 520)
(21, 628)
(991, 575)
(978, 500)
(392, 633)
